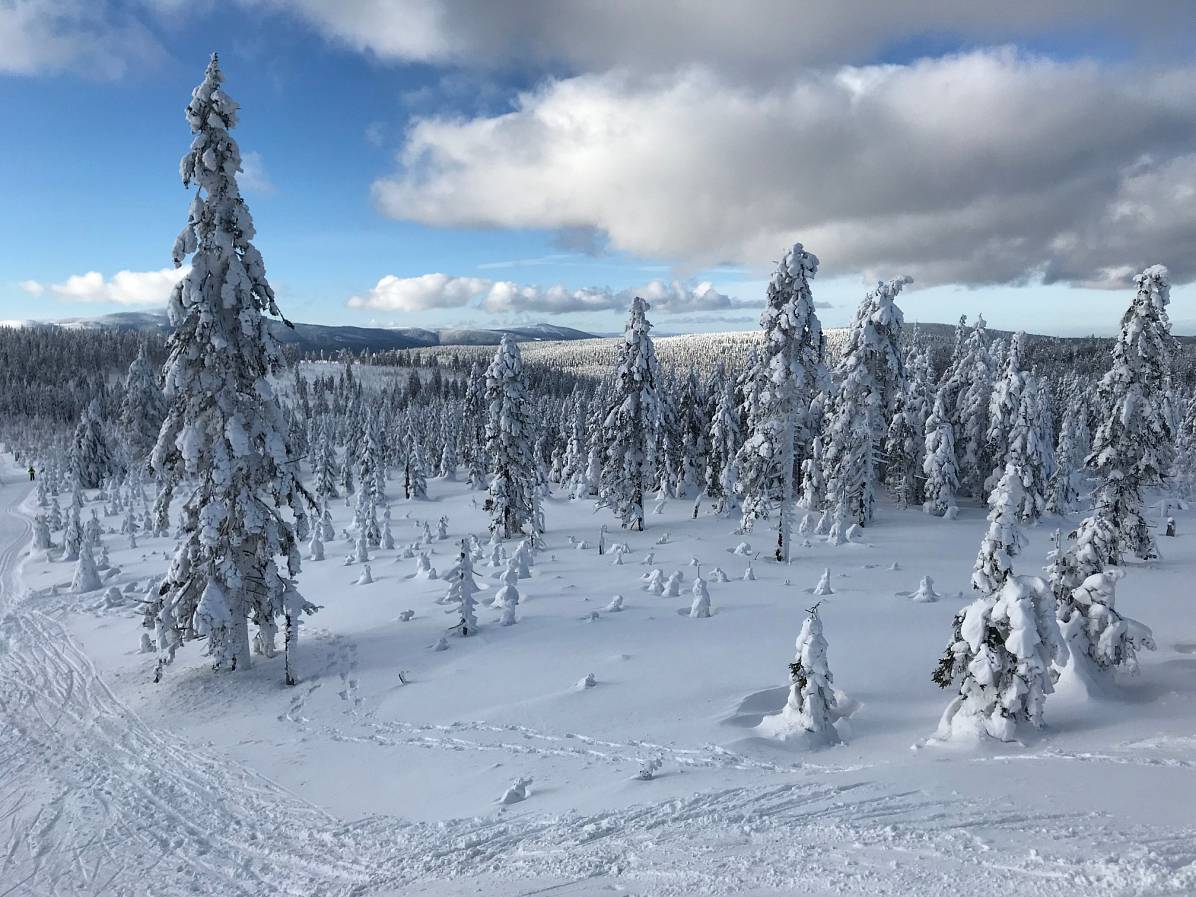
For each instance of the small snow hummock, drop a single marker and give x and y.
(589, 680)
(423, 567)
(749, 575)
(824, 584)
(649, 768)
(366, 577)
(654, 581)
(925, 592)
(700, 609)
(516, 792)
(616, 604)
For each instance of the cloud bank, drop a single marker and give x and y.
(125, 287)
(981, 168)
(759, 41)
(438, 291)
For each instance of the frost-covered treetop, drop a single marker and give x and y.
(884, 312)
(219, 232)
(1145, 342)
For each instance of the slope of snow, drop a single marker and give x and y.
(364, 781)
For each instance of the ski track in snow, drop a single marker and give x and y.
(93, 801)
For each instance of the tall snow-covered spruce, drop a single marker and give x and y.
(224, 432)
(789, 370)
(514, 500)
(1134, 446)
(632, 424)
(142, 410)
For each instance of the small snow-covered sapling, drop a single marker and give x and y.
(824, 584)
(649, 768)
(516, 792)
(700, 608)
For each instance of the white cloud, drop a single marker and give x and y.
(760, 40)
(125, 287)
(429, 291)
(420, 293)
(91, 37)
(985, 167)
(253, 176)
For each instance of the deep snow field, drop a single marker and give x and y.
(354, 783)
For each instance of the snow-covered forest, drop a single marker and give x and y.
(899, 609)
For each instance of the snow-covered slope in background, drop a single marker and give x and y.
(316, 337)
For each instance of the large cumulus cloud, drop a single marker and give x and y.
(986, 167)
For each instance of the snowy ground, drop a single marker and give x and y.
(354, 783)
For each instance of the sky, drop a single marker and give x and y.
(434, 163)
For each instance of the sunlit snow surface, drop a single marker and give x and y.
(382, 772)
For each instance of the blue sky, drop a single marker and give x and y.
(550, 183)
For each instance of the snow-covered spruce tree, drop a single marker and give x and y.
(415, 480)
(87, 577)
(870, 378)
(724, 443)
(813, 707)
(91, 456)
(473, 435)
(446, 469)
(1027, 452)
(574, 461)
(905, 442)
(1184, 468)
(224, 426)
(1003, 407)
(1134, 446)
(632, 423)
(942, 478)
(1001, 654)
(971, 414)
(1003, 539)
(788, 372)
(142, 409)
(1062, 493)
(462, 591)
(1098, 638)
(514, 500)
(324, 467)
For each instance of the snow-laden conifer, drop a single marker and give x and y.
(224, 428)
(1134, 446)
(1001, 656)
(788, 372)
(514, 500)
(142, 409)
(1003, 538)
(462, 591)
(632, 423)
(91, 455)
(942, 477)
(813, 706)
(723, 441)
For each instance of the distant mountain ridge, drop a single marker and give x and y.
(317, 337)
